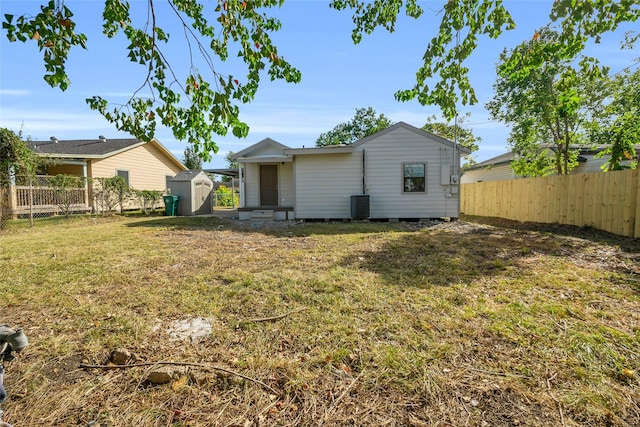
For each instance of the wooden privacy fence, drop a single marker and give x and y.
(607, 201)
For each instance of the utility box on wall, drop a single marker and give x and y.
(195, 190)
(360, 206)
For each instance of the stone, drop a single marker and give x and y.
(120, 356)
(161, 375)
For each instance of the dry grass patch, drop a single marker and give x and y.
(458, 323)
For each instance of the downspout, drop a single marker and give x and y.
(364, 174)
(456, 160)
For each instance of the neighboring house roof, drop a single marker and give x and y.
(99, 148)
(508, 157)
(502, 159)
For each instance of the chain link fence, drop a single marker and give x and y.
(32, 197)
(26, 198)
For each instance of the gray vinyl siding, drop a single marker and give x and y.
(252, 184)
(286, 188)
(325, 183)
(384, 158)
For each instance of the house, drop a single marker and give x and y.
(401, 172)
(144, 165)
(499, 168)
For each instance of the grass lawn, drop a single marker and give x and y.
(464, 323)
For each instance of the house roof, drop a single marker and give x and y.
(507, 158)
(248, 154)
(334, 149)
(403, 125)
(90, 148)
(99, 148)
(502, 159)
(329, 149)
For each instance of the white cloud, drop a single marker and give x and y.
(15, 92)
(41, 124)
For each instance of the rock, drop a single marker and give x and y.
(120, 356)
(166, 374)
(161, 375)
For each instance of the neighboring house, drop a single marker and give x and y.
(499, 168)
(401, 172)
(144, 165)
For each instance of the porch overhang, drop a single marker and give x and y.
(265, 159)
(334, 149)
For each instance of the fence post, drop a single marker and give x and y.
(13, 200)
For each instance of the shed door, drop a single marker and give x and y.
(202, 197)
(268, 185)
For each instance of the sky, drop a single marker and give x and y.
(338, 77)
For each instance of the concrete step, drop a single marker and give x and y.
(263, 214)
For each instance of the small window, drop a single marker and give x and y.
(123, 174)
(414, 177)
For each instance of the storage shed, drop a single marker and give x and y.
(195, 190)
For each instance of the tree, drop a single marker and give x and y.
(15, 157)
(543, 101)
(191, 160)
(213, 29)
(617, 123)
(364, 123)
(231, 164)
(455, 132)
(17, 163)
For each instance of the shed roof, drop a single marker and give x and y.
(189, 175)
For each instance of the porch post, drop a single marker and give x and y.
(13, 193)
(86, 184)
(241, 183)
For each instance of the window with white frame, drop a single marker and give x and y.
(414, 177)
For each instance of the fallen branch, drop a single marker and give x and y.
(270, 319)
(558, 403)
(195, 365)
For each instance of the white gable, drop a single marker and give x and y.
(265, 148)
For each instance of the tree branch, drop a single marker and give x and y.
(195, 365)
(270, 319)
